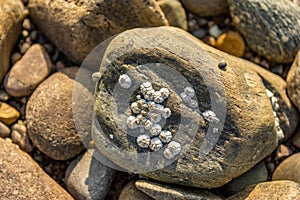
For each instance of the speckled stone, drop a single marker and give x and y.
(87, 23)
(130, 192)
(49, 116)
(160, 191)
(270, 28)
(273, 190)
(22, 178)
(293, 81)
(27, 73)
(288, 169)
(87, 178)
(174, 13)
(12, 13)
(206, 8)
(255, 138)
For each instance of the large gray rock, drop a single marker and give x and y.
(22, 178)
(76, 27)
(29, 72)
(270, 190)
(50, 119)
(293, 81)
(206, 8)
(255, 138)
(271, 28)
(87, 178)
(12, 13)
(130, 192)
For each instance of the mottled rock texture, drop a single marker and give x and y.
(206, 8)
(293, 81)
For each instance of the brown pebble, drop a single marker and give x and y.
(27, 24)
(24, 48)
(8, 114)
(271, 167)
(232, 43)
(15, 57)
(282, 151)
(296, 139)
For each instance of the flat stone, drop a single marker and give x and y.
(270, 190)
(206, 8)
(49, 116)
(255, 175)
(29, 72)
(22, 178)
(269, 27)
(88, 23)
(163, 191)
(130, 192)
(19, 136)
(174, 13)
(288, 169)
(293, 81)
(255, 138)
(12, 13)
(4, 130)
(8, 114)
(232, 43)
(87, 178)
(282, 151)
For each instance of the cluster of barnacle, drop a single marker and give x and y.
(147, 112)
(275, 107)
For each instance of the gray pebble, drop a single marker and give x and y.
(4, 130)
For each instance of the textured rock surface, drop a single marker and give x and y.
(12, 13)
(174, 13)
(8, 114)
(19, 136)
(296, 138)
(288, 169)
(76, 27)
(254, 138)
(22, 178)
(87, 178)
(130, 192)
(27, 73)
(269, 27)
(257, 174)
(270, 190)
(206, 8)
(232, 43)
(293, 81)
(49, 116)
(162, 191)
(4, 130)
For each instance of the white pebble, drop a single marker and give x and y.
(210, 116)
(124, 81)
(166, 113)
(155, 144)
(269, 93)
(165, 136)
(143, 141)
(189, 91)
(164, 93)
(173, 149)
(155, 130)
(280, 135)
(215, 31)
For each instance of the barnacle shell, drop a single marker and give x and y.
(148, 124)
(131, 122)
(157, 97)
(166, 113)
(189, 91)
(155, 144)
(173, 149)
(155, 130)
(165, 136)
(124, 81)
(193, 103)
(186, 99)
(154, 117)
(210, 116)
(164, 92)
(135, 108)
(143, 141)
(149, 95)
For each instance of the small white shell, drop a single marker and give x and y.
(210, 116)
(148, 124)
(173, 149)
(146, 85)
(131, 122)
(164, 93)
(189, 91)
(149, 95)
(193, 104)
(155, 144)
(269, 93)
(165, 136)
(135, 108)
(166, 113)
(157, 97)
(124, 81)
(186, 99)
(143, 141)
(154, 117)
(155, 130)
